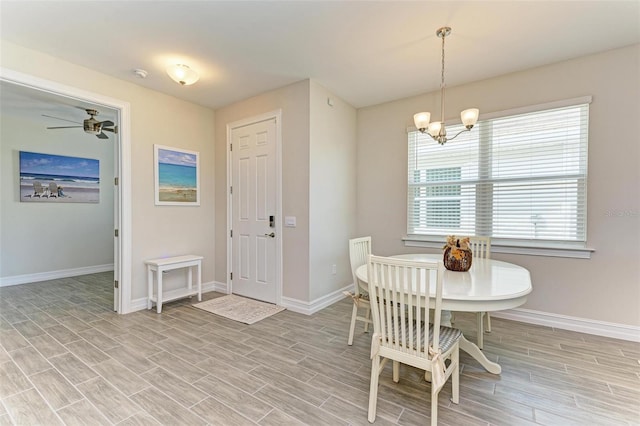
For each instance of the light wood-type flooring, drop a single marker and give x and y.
(66, 358)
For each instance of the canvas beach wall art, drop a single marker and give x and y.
(58, 178)
(177, 176)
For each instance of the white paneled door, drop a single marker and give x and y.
(253, 194)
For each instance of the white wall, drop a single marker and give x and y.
(155, 119)
(332, 191)
(318, 185)
(39, 237)
(603, 288)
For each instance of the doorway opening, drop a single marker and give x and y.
(44, 90)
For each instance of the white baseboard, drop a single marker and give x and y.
(564, 322)
(215, 286)
(53, 275)
(314, 306)
(141, 303)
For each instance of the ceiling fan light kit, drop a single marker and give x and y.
(91, 125)
(182, 74)
(437, 129)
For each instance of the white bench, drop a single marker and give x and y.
(159, 266)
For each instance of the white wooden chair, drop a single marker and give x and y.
(481, 248)
(38, 189)
(359, 249)
(399, 291)
(53, 190)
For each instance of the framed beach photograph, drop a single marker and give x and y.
(48, 178)
(177, 176)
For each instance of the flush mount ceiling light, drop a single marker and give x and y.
(182, 74)
(437, 129)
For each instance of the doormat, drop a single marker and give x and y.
(238, 308)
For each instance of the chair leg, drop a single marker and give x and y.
(373, 389)
(367, 316)
(434, 406)
(480, 326)
(488, 315)
(396, 371)
(455, 377)
(352, 327)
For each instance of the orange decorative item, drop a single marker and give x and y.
(457, 254)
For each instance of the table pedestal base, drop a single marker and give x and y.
(477, 354)
(470, 348)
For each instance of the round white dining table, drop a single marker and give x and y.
(490, 285)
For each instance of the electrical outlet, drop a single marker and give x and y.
(334, 269)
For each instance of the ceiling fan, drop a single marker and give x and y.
(90, 125)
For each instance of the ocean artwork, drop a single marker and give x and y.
(177, 176)
(58, 179)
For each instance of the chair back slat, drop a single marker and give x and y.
(480, 247)
(359, 249)
(400, 308)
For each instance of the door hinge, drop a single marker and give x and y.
(230, 147)
(115, 181)
(231, 276)
(231, 190)
(231, 233)
(115, 284)
(116, 232)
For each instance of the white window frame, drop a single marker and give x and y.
(570, 249)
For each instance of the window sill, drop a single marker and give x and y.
(551, 250)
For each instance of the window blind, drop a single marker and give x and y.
(520, 177)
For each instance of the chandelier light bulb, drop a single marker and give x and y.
(421, 119)
(469, 117)
(434, 128)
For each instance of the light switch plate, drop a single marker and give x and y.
(290, 221)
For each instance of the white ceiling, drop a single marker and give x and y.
(366, 52)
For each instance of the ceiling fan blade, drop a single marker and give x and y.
(102, 136)
(107, 123)
(114, 130)
(65, 127)
(63, 119)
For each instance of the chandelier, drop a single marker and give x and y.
(437, 129)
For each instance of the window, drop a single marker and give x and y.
(519, 177)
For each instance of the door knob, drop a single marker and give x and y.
(272, 235)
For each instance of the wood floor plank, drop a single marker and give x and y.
(175, 388)
(298, 409)
(13, 380)
(230, 374)
(28, 408)
(30, 361)
(79, 413)
(278, 418)
(108, 400)
(218, 414)
(72, 368)
(55, 389)
(125, 380)
(291, 385)
(242, 402)
(47, 346)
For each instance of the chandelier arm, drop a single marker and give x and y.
(461, 131)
